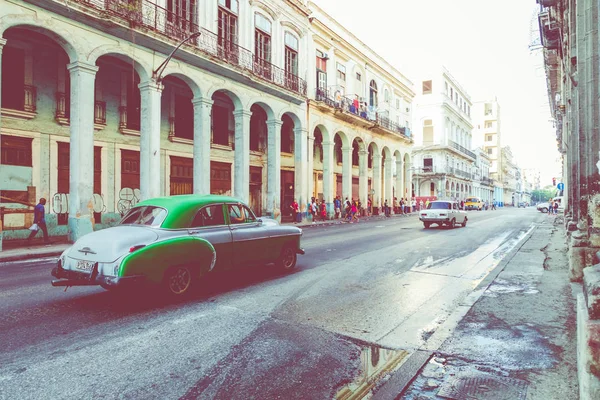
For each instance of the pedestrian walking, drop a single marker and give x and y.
(386, 208)
(354, 212)
(337, 205)
(39, 221)
(323, 211)
(413, 205)
(420, 205)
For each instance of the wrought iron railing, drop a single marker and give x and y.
(487, 181)
(127, 123)
(151, 16)
(461, 149)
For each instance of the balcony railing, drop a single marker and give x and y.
(62, 107)
(487, 181)
(352, 106)
(100, 112)
(460, 172)
(461, 149)
(149, 15)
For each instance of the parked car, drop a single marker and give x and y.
(173, 241)
(443, 212)
(543, 207)
(473, 203)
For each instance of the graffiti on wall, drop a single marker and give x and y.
(128, 198)
(60, 203)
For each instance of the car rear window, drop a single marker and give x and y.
(144, 215)
(439, 206)
(472, 200)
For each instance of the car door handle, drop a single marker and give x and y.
(193, 231)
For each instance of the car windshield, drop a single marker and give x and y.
(439, 206)
(471, 200)
(145, 215)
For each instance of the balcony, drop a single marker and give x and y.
(351, 111)
(22, 105)
(148, 16)
(460, 173)
(461, 149)
(487, 181)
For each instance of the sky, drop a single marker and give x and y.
(486, 47)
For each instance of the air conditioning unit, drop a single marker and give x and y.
(325, 56)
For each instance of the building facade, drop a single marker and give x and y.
(94, 120)
(443, 164)
(483, 185)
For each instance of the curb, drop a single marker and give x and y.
(26, 256)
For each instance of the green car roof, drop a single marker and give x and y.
(182, 209)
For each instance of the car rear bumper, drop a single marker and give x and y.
(300, 251)
(434, 220)
(75, 278)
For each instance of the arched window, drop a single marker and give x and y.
(373, 94)
(262, 40)
(291, 54)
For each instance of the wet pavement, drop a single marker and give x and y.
(362, 313)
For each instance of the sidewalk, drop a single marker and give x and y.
(55, 249)
(518, 340)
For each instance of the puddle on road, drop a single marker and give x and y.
(377, 365)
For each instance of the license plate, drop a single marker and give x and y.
(84, 265)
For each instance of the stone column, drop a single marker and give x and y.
(302, 173)
(310, 143)
(346, 173)
(81, 163)
(376, 182)
(241, 183)
(202, 108)
(399, 180)
(2, 43)
(363, 177)
(328, 173)
(274, 169)
(387, 190)
(150, 92)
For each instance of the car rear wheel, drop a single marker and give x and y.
(544, 210)
(464, 222)
(178, 280)
(287, 258)
(426, 225)
(452, 223)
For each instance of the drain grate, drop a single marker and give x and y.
(488, 387)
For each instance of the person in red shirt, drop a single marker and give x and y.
(323, 211)
(295, 210)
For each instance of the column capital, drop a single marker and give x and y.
(347, 149)
(274, 122)
(311, 138)
(202, 101)
(82, 67)
(300, 131)
(151, 84)
(242, 113)
(363, 153)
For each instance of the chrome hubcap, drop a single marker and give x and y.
(180, 281)
(288, 258)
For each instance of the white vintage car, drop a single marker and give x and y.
(443, 212)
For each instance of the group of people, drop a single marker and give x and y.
(553, 207)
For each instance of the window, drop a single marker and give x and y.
(451, 93)
(228, 25)
(321, 70)
(489, 151)
(386, 96)
(358, 76)
(428, 165)
(488, 124)
(397, 104)
(239, 214)
(209, 216)
(130, 169)
(291, 54)
(262, 39)
(488, 138)
(182, 176)
(145, 215)
(446, 87)
(427, 87)
(341, 72)
(373, 94)
(13, 78)
(16, 151)
(182, 14)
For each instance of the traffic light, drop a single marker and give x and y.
(553, 181)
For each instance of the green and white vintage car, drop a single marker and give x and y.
(173, 241)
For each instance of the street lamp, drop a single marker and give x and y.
(156, 74)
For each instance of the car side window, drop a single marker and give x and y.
(455, 206)
(240, 214)
(209, 216)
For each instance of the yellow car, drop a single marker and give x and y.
(474, 203)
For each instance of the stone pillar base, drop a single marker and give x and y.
(79, 227)
(588, 357)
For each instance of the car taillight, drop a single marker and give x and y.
(136, 247)
(443, 215)
(423, 215)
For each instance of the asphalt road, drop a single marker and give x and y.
(363, 299)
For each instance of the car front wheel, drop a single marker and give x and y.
(426, 225)
(452, 223)
(464, 222)
(544, 210)
(178, 280)
(287, 259)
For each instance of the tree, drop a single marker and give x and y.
(542, 195)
